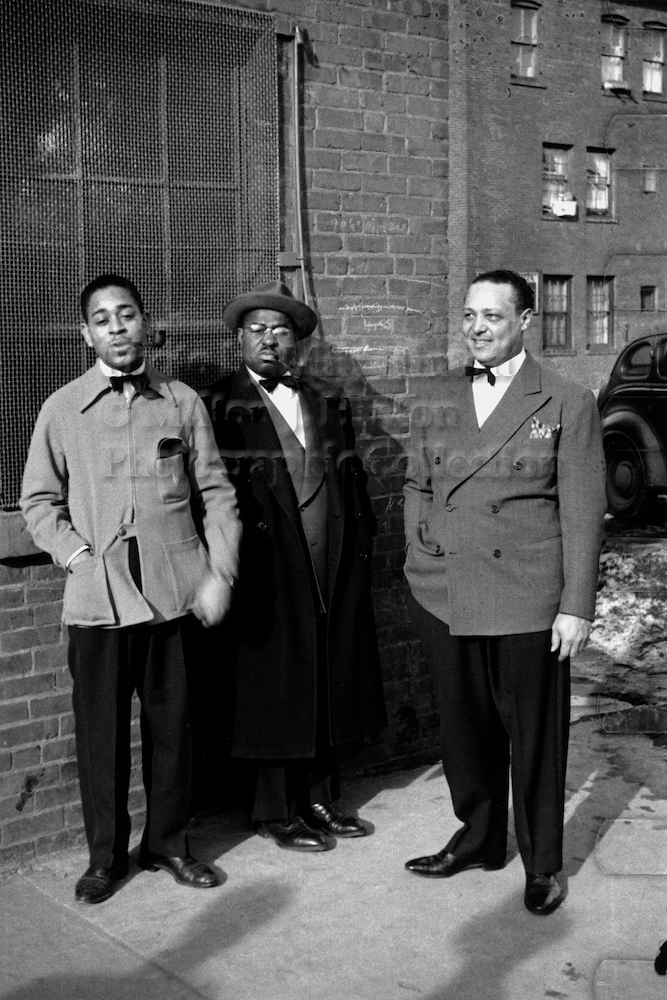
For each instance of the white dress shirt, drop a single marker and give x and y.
(286, 400)
(486, 396)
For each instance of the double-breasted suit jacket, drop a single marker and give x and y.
(504, 522)
(289, 574)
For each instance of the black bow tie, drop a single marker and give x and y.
(473, 370)
(270, 383)
(140, 382)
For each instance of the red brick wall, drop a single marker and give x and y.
(376, 158)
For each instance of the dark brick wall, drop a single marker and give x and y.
(374, 124)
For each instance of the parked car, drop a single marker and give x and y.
(633, 411)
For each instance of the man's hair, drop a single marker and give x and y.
(106, 281)
(523, 293)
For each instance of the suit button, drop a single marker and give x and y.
(517, 466)
(357, 513)
(437, 460)
(261, 526)
(497, 554)
(450, 507)
(438, 549)
(495, 510)
(121, 532)
(363, 554)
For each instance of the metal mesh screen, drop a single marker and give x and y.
(140, 137)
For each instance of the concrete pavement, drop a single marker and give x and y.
(352, 924)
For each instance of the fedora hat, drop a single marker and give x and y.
(271, 295)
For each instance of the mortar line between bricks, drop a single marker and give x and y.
(102, 933)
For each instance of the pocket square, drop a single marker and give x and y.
(540, 430)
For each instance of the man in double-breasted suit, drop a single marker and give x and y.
(307, 669)
(125, 488)
(504, 503)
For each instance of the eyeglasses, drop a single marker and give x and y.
(259, 330)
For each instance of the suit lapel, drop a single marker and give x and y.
(262, 441)
(523, 398)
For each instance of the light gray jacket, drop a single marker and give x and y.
(101, 469)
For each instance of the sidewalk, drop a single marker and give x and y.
(352, 924)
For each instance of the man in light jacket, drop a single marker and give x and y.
(124, 487)
(504, 503)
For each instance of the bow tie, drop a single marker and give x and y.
(140, 382)
(270, 383)
(472, 371)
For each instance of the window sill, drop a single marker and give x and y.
(602, 219)
(527, 81)
(560, 218)
(655, 98)
(558, 352)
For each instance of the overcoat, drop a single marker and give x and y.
(504, 522)
(276, 601)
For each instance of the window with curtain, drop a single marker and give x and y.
(524, 40)
(599, 311)
(556, 325)
(598, 182)
(654, 59)
(647, 298)
(555, 179)
(613, 50)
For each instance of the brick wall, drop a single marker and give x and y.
(375, 171)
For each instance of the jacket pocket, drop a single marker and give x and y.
(187, 565)
(172, 479)
(86, 600)
(427, 541)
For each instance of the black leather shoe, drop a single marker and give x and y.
(543, 893)
(185, 870)
(332, 821)
(295, 835)
(444, 865)
(96, 884)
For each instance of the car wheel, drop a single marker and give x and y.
(626, 483)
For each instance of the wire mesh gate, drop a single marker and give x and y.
(140, 137)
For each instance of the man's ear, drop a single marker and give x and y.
(85, 333)
(526, 317)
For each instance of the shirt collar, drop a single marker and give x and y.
(257, 378)
(508, 368)
(114, 372)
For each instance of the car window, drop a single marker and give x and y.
(662, 358)
(637, 362)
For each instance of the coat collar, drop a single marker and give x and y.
(94, 384)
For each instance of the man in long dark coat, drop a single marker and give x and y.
(307, 668)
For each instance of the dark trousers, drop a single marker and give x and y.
(504, 706)
(107, 665)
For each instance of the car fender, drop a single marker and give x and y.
(641, 433)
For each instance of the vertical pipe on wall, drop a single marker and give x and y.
(298, 44)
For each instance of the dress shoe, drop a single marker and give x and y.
(295, 835)
(185, 870)
(332, 821)
(444, 865)
(96, 884)
(543, 893)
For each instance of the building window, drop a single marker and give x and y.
(613, 51)
(654, 58)
(600, 311)
(598, 182)
(647, 298)
(649, 179)
(556, 305)
(557, 198)
(524, 39)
